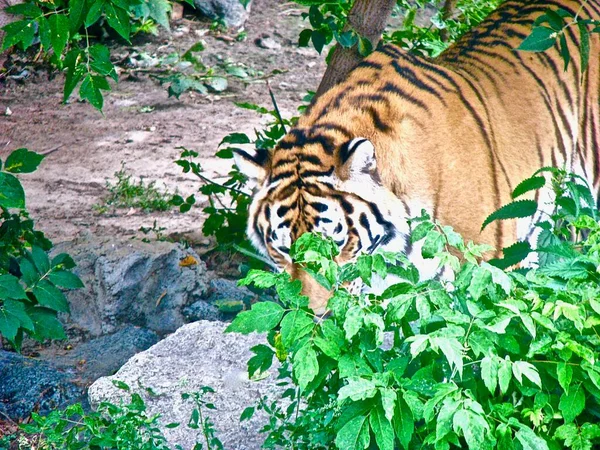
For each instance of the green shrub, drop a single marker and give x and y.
(492, 359)
(126, 426)
(30, 282)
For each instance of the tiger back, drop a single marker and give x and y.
(453, 136)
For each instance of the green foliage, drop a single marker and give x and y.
(128, 193)
(550, 30)
(30, 281)
(329, 22)
(63, 27)
(433, 39)
(488, 359)
(118, 427)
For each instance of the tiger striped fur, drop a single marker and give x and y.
(453, 135)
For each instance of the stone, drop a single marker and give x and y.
(28, 384)
(232, 12)
(105, 355)
(128, 281)
(268, 42)
(196, 355)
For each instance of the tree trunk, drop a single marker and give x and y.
(368, 18)
(448, 11)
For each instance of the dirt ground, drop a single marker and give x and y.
(90, 147)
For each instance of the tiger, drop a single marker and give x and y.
(452, 136)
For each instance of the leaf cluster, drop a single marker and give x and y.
(551, 28)
(117, 427)
(488, 358)
(30, 281)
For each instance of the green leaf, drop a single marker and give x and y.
(77, 12)
(473, 426)
(306, 366)
(235, 138)
(584, 47)
(564, 51)
(353, 322)
(11, 192)
(65, 279)
(388, 401)
(403, 422)
(264, 316)
(247, 413)
(29, 274)
(95, 12)
(44, 32)
(11, 288)
(294, 326)
(159, 11)
(514, 210)
(17, 310)
(50, 296)
(319, 40)
(262, 359)
(75, 71)
(564, 373)
(530, 184)
(382, 429)
(90, 90)
(118, 19)
(489, 372)
(354, 435)
(434, 243)
(504, 375)
(9, 325)
(521, 368)
(572, 404)
(59, 26)
(330, 340)
(23, 161)
(512, 255)
(24, 9)
(19, 32)
(479, 283)
(540, 40)
(357, 389)
(101, 61)
(527, 437)
(46, 324)
(40, 259)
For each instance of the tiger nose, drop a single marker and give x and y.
(317, 295)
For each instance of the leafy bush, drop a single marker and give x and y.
(30, 297)
(115, 427)
(488, 359)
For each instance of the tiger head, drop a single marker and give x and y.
(317, 184)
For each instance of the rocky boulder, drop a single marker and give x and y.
(232, 12)
(197, 355)
(132, 282)
(31, 385)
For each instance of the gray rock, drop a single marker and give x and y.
(131, 282)
(197, 355)
(105, 355)
(223, 289)
(232, 12)
(202, 310)
(27, 384)
(268, 42)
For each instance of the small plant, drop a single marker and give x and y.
(490, 359)
(199, 421)
(128, 193)
(116, 427)
(30, 281)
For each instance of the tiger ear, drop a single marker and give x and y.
(358, 156)
(253, 165)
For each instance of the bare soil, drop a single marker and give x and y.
(87, 148)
